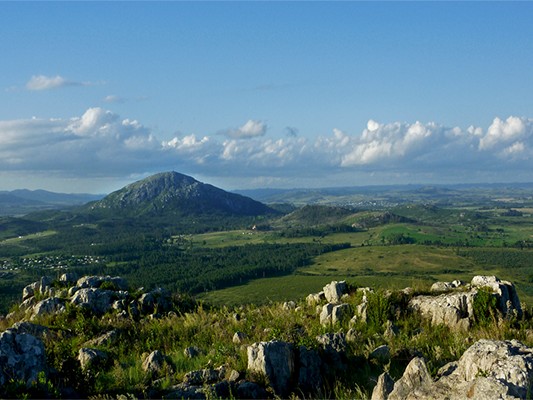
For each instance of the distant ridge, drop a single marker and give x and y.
(175, 193)
(24, 201)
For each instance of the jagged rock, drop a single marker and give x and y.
(452, 309)
(45, 285)
(95, 282)
(446, 286)
(29, 291)
(238, 337)
(447, 369)
(191, 352)
(28, 303)
(456, 309)
(333, 341)
(488, 369)
(119, 305)
(333, 346)
(52, 305)
(383, 388)
(107, 339)
(39, 331)
(360, 313)
(334, 313)
(289, 305)
(504, 367)
(334, 290)
(234, 376)
(205, 376)
(391, 330)
(275, 361)
(441, 287)
(340, 312)
(97, 300)
(185, 391)
(69, 278)
(157, 300)
(42, 286)
(325, 315)
(251, 390)
(381, 353)
(72, 291)
(153, 364)
(416, 376)
(315, 298)
(352, 335)
(91, 358)
(505, 293)
(133, 309)
(22, 357)
(309, 376)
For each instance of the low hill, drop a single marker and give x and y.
(314, 215)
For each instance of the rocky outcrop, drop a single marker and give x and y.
(153, 364)
(275, 361)
(95, 282)
(97, 300)
(334, 313)
(315, 298)
(453, 309)
(488, 369)
(191, 352)
(333, 291)
(504, 291)
(91, 359)
(446, 286)
(238, 337)
(383, 388)
(156, 301)
(22, 357)
(205, 376)
(52, 305)
(415, 377)
(456, 309)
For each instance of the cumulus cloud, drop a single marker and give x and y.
(43, 82)
(102, 143)
(511, 138)
(250, 129)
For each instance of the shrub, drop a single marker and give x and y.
(485, 307)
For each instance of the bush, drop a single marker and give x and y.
(485, 307)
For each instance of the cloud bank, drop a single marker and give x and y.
(101, 143)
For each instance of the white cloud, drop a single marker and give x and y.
(102, 143)
(112, 98)
(43, 82)
(502, 133)
(250, 129)
(515, 150)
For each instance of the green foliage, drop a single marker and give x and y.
(378, 310)
(485, 307)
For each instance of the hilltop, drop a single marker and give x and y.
(98, 337)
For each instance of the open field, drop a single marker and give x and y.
(388, 267)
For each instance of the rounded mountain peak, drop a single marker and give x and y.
(177, 193)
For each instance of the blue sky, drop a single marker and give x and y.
(95, 95)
